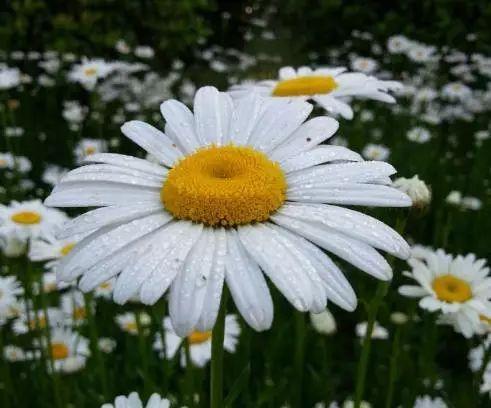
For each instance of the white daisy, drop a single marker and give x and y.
(398, 44)
(133, 401)
(74, 307)
(378, 332)
(365, 65)
(68, 349)
(53, 174)
(6, 161)
(89, 71)
(476, 355)
(9, 78)
(459, 285)
(331, 88)
(418, 135)
(37, 320)
(128, 322)
(456, 91)
(10, 288)
(12, 246)
(88, 147)
(428, 402)
(49, 283)
(48, 248)
(323, 322)
(105, 289)
(106, 344)
(376, 152)
(415, 188)
(29, 219)
(241, 187)
(199, 342)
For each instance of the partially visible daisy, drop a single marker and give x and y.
(68, 349)
(49, 249)
(378, 332)
(199, 342)
(10, 288)
(37, 320)
(456, 91)
(9, 78)
(416, 189)
(128, 322)
(476, 355)
(88, 147)
(426, 401)
(6, 161)
(459, 285)
(14, 353)
(105, 289)
(365, 65)
(398, 44)
(376, 152)
(106, 344)
(238, 185)
(323, 322)
(133, 401)
(89, 71)
(74, 307)
(53, 174)
(331, 88)
(418, 135)
(49, 283)
(29, 219)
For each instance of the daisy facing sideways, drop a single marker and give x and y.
(459, 287)
(243, 188)
(133, 401)
(331, 88)
(199, 342)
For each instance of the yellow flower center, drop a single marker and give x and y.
(131, 327)
(485, 319)
(90, 150)
(90, 71)
(448, 288)
(40, 323)
(79, 313)
(59, 351)
(305, 85)
(105, 285)
(26, 217)
(67, 248)
(226, 185)
(198, 337)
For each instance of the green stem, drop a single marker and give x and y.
(361, 375)
(216, 375)
(143, 352)
(189, 375)
(393, 368)
(299, 356)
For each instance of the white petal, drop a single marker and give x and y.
(319, 155)
(333, 105)
(247, 285)
(181, 122)
(212, 114)
(287, 73)
(82, 176)
(244, 117)
(109, 170)
(280, 266)
(153, 141)
(412, 291)
(128, 162)
(355, 252)
(307, 136)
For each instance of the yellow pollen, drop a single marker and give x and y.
(39, 323)
(131, 326)
(26, 217)
(485, 319)
(228, 185)
(59, 351)
(105, 285)
(90, 71)
(90, 150)
(66, 249)
(79, 313)
(305, 85)
(449, 288)
(198, 337)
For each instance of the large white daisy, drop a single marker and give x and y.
(459, 287)
(242, 188)
(331, 88)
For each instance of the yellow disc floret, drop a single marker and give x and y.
(198, 337)
(26, 217)
(305, 85)
(59, 351)
(449, 288)
(227, 185)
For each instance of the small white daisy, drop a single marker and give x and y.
(128, 322)
(88, 147)
(418, 135)
(416, 189)
(10, 288)
(365, 65)
(53, 174)
(29, 219)
(106, 344)
(49, 249)
(199, 342)
(133, 401)
(459, 285)
(331, 88)
(428, 402)
(37, 320)
(89, 71)
(9, 78)
(376, 152)
(74, 307)
(456, 91)
(378, 332)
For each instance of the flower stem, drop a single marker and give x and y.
(393, 367)
(361, 375)
(216, 378)
(299, 356)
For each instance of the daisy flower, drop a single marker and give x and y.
(68, 349)
(323, 322)
(476, 355)
(29, 219)
(376, 152)
(37, 320)
(418, 135)
(415, 188)
(6, 161)
(48, 248)
(242, 187)
(199, 342)
(133, 401)
(74, 307)
(105, 289)
(88, 147)
(128, 322)
(88, 72)
(49, 284)
(10, 288)
(456, 91)
(9, 78)
(378, 332)
(106, 344)
(365, 65)
(427, 402)
(458, 285)
(331, 88)
(53, 174)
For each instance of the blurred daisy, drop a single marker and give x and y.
(128, 322)
(375, 152)
(106, 344)
(10, 288)
(428, 402)
(89, 71)
(74, 307)
(9, 78)
(240, 187)
(37, 320)
(53, 174)
(459, 285)
(105, 289)
(48, 248)
(378, 332)
(29, 219)
(418, 135)
(471, 203)
(49, 284)
(88, 147)
(323, 322)
(12, 246)
(456, 91)
(416, 189)
(14, 353)
(6, 161)
(331, 88)
(68, 349)
(199, 342)
(398, 44)
(365, 65)
(476, 355)
(133, 401)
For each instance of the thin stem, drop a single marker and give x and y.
(216, 377)
(189, 375)
(393, 367)
(373, 307)
(299, 356)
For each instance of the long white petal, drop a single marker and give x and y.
(127, 162)
(245, 116)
